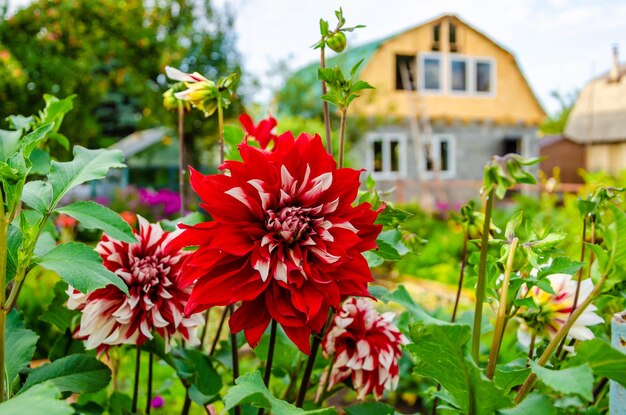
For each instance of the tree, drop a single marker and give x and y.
(555, 123)
(112, 54)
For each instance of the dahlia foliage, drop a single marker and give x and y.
(286, 240)
(553, 310)
(151, 268)
(366, 347)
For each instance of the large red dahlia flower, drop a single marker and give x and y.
(151, 269)
(366, 346)
(285, 239)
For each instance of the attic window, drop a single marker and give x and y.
(430, 72)
(436, 37)
(483, 76)
(452, 38)
(405, 72)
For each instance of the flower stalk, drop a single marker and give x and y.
(342, 133)
(149, 394)
(502, 312)
(270, 359)
(560, 335)
(181, 157)
(329, 144)
(461, 277)
(136, 385)
(3, 313)
(482, 272)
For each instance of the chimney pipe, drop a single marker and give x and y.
(614, 74)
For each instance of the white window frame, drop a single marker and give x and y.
(386, 139)
(468, 74)
(492, 75)
(435, 142)
(421, 57)
(445, 74)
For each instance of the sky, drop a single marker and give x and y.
(559, 44)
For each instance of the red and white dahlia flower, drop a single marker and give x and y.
(285, 239)
(151, 269)
(553, 310)
(366, 347)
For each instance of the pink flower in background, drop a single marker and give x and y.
(151, 269)
(167, 199)
(553, 310)
(365, 346)
(157, 402)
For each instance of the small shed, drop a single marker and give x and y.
(598, 120)
(561, 153)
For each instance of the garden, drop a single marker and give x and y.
(281, 279)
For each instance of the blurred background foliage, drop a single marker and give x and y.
(112, 54)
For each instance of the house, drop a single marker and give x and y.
(447, 99)
(598, 121)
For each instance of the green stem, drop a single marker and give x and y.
(181, 157)
(204, 329)
(308, 370)
(502, 312)
(3, 260)
(329, 143)
(220, 128)
(235, 355)
(560, 335)
(136, 386)
(219, 331)
(461, 277)
(270, 359)
(149, 397)
(342, 133)
(482, 271)
(531, 348)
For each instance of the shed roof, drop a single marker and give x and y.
(599, 115)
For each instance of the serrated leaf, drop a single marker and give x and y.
(560, 265)
(509, 377)
(534, 404)
(392, 216)
(28, 143)
(45, 244)
(249, 389)
(81, 267)
(93, 215)
(41, 399)
(87, 165)
(603, 359)
(40, 161)
(19, 347)
(38, 195)
(439, 351)
(573, 380)
(9, 143)
(77, 373)
(14, 241)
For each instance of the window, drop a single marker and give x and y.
(386, 155)
(405, 68)
(430, 70)
(439, 155)
(512, 144)
(459, 79)
(452, 37)
(483, 76)
(436, 37)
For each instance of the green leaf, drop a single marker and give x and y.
(20, 122)
(9, 143)
(513, 224)
(81, 267)
(603, 359)
(41, 399)
(57, 313)
(197, 368)
(14, 241)
(619, 248)
(534, 404)
(40, 161)
(392, 216)
(370, 408)
(439, 351)
(56, 109)
(77, 373)
(323, 27)
(38, 195)
(19, 347)
(8, 173)
(509, 377)
(93, 215)
(560, 265)
(373, 259)
(45, 244)
(573, 380)
(249, 389)
(28, 143)
(390, 246)
(87, 165)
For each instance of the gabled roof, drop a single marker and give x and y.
(599, 114)
(305, 85)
